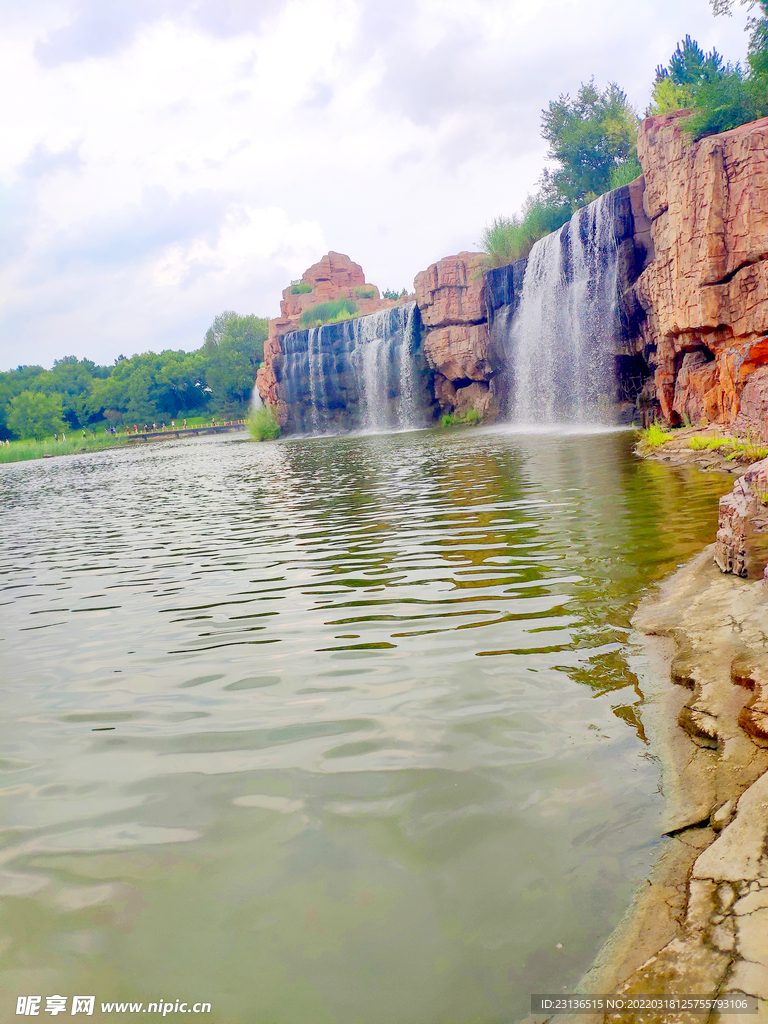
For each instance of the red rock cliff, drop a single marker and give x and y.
(450, 298)
(706, 291)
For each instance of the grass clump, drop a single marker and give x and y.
(455, 419)
(700, 443)
(365, 291)
(263, 425)
(328, 313)
(653, 438)
(623, 174)
(740, 451)
(747, 451)
(509, 239)
(300, 288)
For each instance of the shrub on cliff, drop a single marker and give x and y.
(365, 291)
(328, 313)
(263, 425)
(300, 288)
(736, 98)
(509, 239)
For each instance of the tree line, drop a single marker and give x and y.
(215, 379)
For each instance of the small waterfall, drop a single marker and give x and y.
(384, 363)
(367, 373)
(562, 335)
(317, 391)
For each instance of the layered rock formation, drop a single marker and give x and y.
(706, 292)
(450, 295)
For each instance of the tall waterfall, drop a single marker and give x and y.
(562, 335)
(366, 374)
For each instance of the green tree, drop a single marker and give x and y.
(34, 414)
(232, 360)
(675, 87)
(741, 95)
(588, 137)
(12, 383)
(214, 333)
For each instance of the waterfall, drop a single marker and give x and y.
(384, 363)
(562, 335)
(362, 374)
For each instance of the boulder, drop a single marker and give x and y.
(475, 397)
(742, 536)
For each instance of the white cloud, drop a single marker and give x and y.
(247, 236)
(164, 160)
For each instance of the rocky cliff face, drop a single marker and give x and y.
(706, 292)
(451, 298)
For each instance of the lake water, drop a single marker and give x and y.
(329, 730)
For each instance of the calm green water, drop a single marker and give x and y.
(328, 730)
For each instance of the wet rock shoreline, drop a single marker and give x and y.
(699, 925)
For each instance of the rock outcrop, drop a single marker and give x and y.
(742, 535)
(706, 292)
(451, 299)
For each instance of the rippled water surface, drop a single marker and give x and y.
(328, 730)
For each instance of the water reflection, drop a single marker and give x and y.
(366, 704)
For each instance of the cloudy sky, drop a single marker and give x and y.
(163, 160)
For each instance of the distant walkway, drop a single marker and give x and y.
(153, 435)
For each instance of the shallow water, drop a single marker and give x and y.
(329, 730)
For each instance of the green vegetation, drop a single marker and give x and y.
(593, 143)
(675, 87)
(216, 379)
(300, 288)
(748, 450)
(511, 238)
(365, 291)
(388, 293)
(23, 451)
(653, 438)
(328, 313)
(701, 443)
(720, 96)
(588, 137)
(263, 425)
(34, 414)
(454, 419)
(622, 174)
